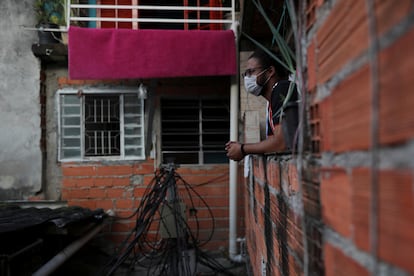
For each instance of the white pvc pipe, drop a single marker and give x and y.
(233, 166)
(66, 253)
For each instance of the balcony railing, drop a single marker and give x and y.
(203, 14)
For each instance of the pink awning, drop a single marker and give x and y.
(130, 54)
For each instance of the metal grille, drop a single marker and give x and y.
(102, 126)
(194, 131)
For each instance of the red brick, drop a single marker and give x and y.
(70, 170)
(212, 202)
(65, 193)
(121, 181)
(62, 80)
(91, 204)
(396, 223)
(97, 193)
(293, 177)
(123, 213)
(388, 14)
(115, 193)
(396, 97)
(139, 192)
(78, 194)
(338, 264)
(217, 213)
(336, 200)
(206, 169)
(341, 37)
(114, 170)
(325, 108)
(85, 182)
(148, 179)
(69, 182)
(350, 114)
(105, 204)
(124, 204)
(144, 168)
(361, 198)
(212, 190)
(295, 268)
(259, 195)
(104, 182)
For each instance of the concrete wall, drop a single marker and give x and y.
(20, 153)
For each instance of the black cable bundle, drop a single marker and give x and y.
(162, 241)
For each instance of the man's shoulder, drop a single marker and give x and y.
(283, 83)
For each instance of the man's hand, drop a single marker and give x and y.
(233, 150)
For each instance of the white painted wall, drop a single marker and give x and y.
(20, 154)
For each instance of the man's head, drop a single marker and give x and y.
(266, 61)
(262, 72)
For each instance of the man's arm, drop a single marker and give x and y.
(274, 143)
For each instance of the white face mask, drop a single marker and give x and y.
(251, 85)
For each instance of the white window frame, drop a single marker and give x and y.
(96, 90)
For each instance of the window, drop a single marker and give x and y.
(194, 131)
(101, 124)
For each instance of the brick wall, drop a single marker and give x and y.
(350, 210)
(120, 187)
(275, 214)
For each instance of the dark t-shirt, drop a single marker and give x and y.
(278, 96)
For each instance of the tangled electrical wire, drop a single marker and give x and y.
(164, 240)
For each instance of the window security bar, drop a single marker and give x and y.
(136, 8)
(71, 14)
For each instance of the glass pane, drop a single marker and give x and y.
(71, 131)
(215, 158)
(133, 151)
(133, 141)
(71, 110)
(133, 131)
(71, 153)
(131, 99)
(132, 119)
(132, 109)
(70, 99)
(70, 142)
(71, 121)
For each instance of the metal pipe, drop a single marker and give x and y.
(66, 253)
(153, 20)
(148, 7)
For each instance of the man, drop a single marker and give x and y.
(265, 77)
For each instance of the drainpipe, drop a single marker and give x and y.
(67, 252)
(233, 165)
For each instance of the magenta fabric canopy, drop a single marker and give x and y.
(131, 54)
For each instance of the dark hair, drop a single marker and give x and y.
(266, 61)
